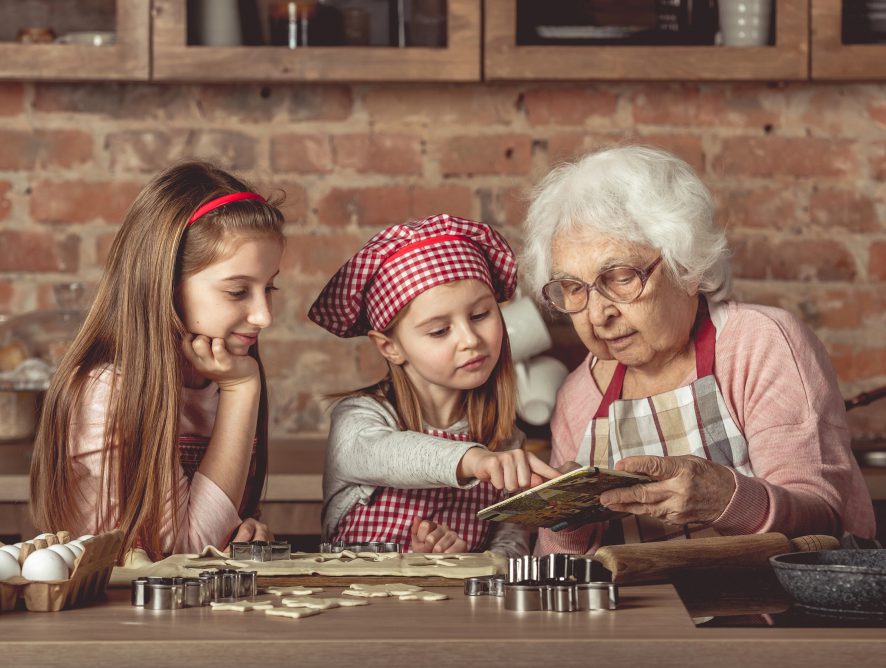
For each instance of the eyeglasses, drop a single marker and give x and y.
(622, 284)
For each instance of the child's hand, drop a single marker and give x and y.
(428, 536)
(511, 470)
(211, 359)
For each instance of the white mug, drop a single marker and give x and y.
(527, 330)
(745, 22)
(537, 383)
(220, 23)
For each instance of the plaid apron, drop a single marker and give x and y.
(388, 515)
(192, 447)
(690, 420)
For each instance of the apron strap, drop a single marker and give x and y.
(705, 343)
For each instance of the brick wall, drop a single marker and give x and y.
(798, 170)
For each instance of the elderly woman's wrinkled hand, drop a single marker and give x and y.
(687, 490)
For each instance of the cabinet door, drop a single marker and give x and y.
(786, 59)
(126, 59)
(458, 59)
(848, 40)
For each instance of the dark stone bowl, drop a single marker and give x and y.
(843, 581)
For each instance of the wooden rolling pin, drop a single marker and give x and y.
(645, 562)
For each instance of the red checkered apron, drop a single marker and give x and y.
(191, 449)
(389, 514)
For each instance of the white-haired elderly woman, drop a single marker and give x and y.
(733, 409)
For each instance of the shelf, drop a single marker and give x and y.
(127, 60)
(787, 60)
(833, 60)
(174, 60)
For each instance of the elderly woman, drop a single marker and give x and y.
(733, 409)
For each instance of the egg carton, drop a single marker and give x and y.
(88, 580)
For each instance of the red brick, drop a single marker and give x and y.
(153, 150)
(295, 412)
(379, 153)
(80, 201)
(371, 366)
(571, 146)
(302, 153)
(853, 362)
(850, 210)
(5, 203)
(433, 105)
(240, 103)
(322, 365)
(877, 260)
(139, 101)
(294, 204)
(452, 199)
(319, 254)
(504, 206)
(7, 293)
(792, 260)
(103, 248)
(764, 207)
(691, 106)
(37, 251)
(877, 112)
(557, 105)
(796, 157)
(318, 103)
(42, 149)
(877, 160)
(12, 98)
(486, 154)
(372, 207)
(849, 309)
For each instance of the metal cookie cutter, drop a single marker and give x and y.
(373, 546)
(261, 550)
(559, 583)
(477, 586)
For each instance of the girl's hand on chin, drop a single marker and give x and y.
(512, 470)
(211, 359)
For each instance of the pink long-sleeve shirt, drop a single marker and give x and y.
(780, 389)
(206, 516)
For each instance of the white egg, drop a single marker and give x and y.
(66, 553)
(75, 545)
(9, 567)
(45, 565)
(11, 549)
(85, 536)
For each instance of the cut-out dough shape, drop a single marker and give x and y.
(308, 602)
(390, 588)
(424, 596)
(294, 613)
(293, 591)
(243, 606)
(347, 602)
(363, 593)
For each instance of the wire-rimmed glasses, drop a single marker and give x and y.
(622, 284)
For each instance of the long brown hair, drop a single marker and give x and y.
(134, 329)
(490, 409)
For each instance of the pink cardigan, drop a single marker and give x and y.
(779, 386)
(205, 513)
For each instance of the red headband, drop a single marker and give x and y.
(221, 201)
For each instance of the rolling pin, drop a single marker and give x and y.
(646, 562)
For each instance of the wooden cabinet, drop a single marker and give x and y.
(831, 59)
(127, 60)
(482, 44)
(175, 60)
(786, 60)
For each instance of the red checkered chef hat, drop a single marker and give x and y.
(402, 261)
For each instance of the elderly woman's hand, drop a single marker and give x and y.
(687, 490)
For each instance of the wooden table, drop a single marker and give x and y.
(651, 627)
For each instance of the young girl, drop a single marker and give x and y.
(156, 420)
(412, 458)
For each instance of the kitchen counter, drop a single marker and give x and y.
(650, 627)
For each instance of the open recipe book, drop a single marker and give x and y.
(569, 500)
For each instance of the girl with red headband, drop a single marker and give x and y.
(412, 458)
(156, 420)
